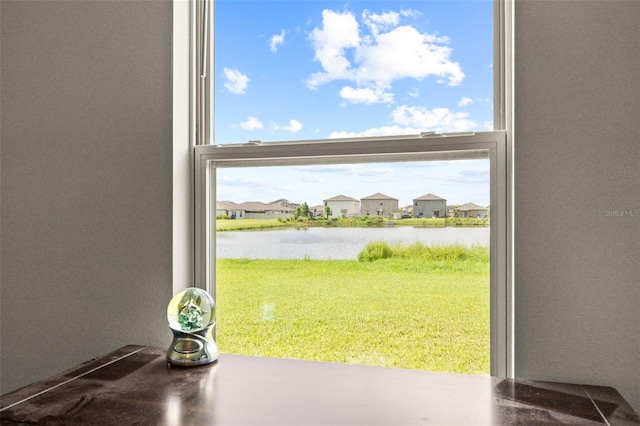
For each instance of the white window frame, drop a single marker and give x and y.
(495, 145)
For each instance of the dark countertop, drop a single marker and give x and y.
(134, 386)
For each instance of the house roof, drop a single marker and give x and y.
(378, 196)
(429, 197)
(254, 206)
(284, 202)
(470, 206)
(340, 198)
(258, 206)
(227, 205)
(280, 200)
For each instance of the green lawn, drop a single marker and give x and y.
(408, 313)
(239, 224)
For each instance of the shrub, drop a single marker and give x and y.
(452, 252)
(375, 251)
(418, 251)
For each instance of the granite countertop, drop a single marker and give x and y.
(135, 386)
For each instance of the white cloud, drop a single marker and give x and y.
(378, 53)
(251, 123)
(466, 177)
(409, 120)
(235, 81)
(475, 173)
(378, 22)
(276, 40)
(375, 171)
(410, 12)
(465, 102)
(312, 179)
(406, 53)
(339, 32)
(331, 168)
(414, 92)
(293, 126)
(377, 131)
(436, 120)
(367, 95)
(349, 169)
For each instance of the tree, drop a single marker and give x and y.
(302, 211)
(327, 212)
(305, 210)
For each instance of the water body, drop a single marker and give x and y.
(335, 243)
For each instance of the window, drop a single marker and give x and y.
(212, 160)
(356, 90)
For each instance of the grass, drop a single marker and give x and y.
(418, 311)
(242, 224)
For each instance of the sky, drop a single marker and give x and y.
(308, 69)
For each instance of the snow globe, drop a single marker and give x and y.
(191, 315)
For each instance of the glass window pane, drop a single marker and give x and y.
(381, 264)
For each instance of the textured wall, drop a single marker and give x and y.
(86, 181)
(577, 157)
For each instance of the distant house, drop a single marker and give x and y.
(406, 211)
(285, 202)
(429, 205)
(259, 210)
(317, 211)
(343, 206)
(378, 205)
(252, 210)
(472, 210)
(229, 209)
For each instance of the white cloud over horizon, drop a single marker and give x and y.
(375, 54)
(312, 179)
(465, 102)
(235, 81)
(436, 119)
(330, 168)
(467, 177)
(412, 120)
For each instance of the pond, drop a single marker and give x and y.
(335, 243)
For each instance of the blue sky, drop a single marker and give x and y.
(290, 70)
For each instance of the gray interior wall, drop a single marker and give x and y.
(86, 181)
(577, 156)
